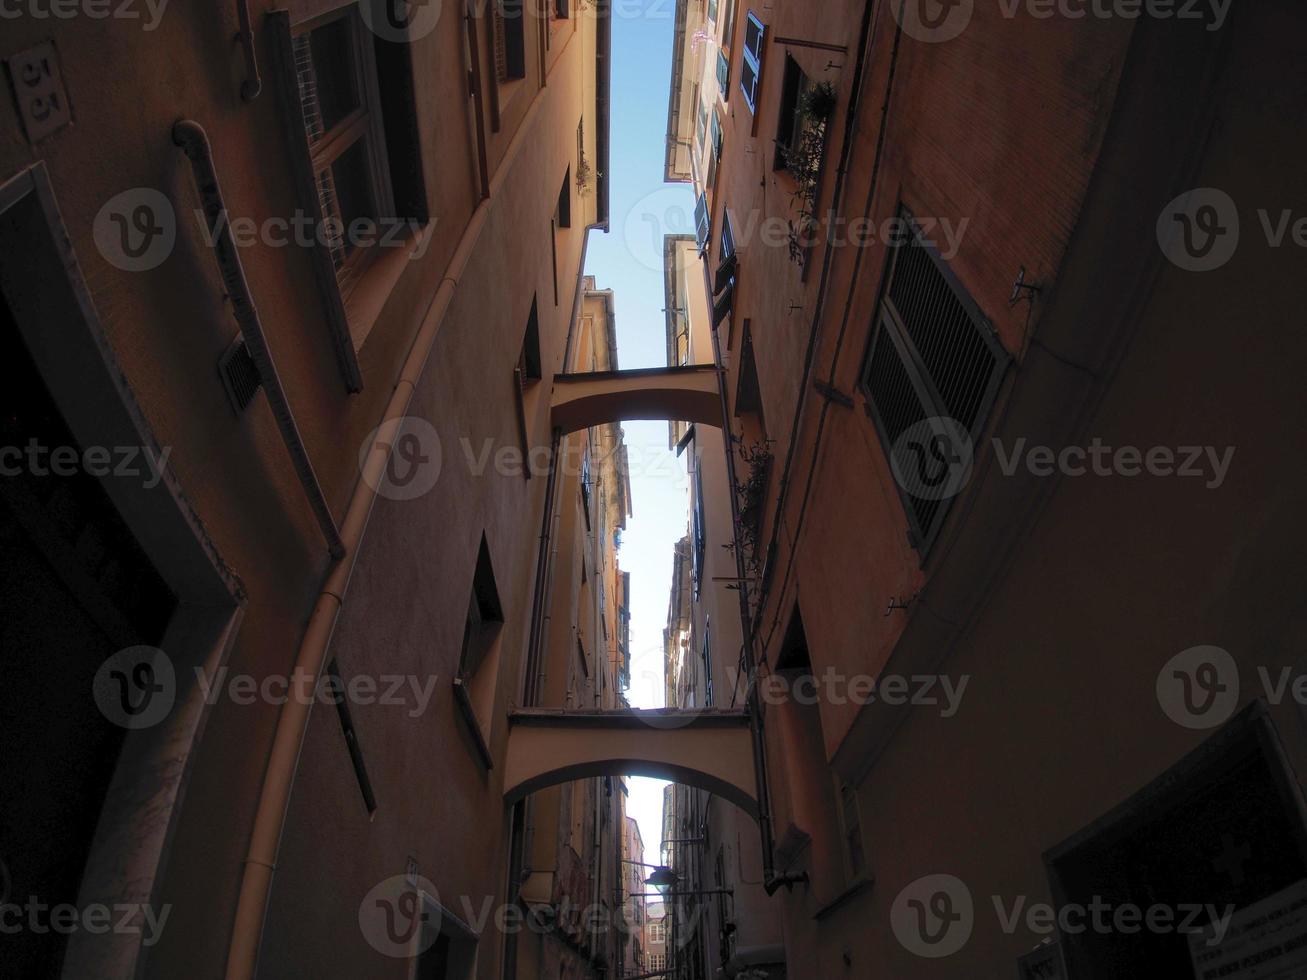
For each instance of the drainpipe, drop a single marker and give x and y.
(190, 136)
(771, 880)
(283, 757)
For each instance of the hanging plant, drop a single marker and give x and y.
(583, 175)
(803, 160)
(752, 498)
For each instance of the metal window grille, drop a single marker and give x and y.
(932, 355)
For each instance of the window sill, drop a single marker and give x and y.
(508, 92)
(859, 886)
(480, 737)
(378, 281)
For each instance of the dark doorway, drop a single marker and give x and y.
(74, 589)
(1224, 828)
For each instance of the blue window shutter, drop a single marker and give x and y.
(755, 36)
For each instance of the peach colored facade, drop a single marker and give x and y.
(985, 367)
(262, 826)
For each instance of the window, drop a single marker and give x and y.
(478, 663)
(851, 824)
(748, 394)
(528, 361)
(714, 148)
(755, 33)
(447, 946)
(700, 530)
(702, 222)
(932, 355)
(563, 214)
(1221, 827)
(509, 36)
(340, 105)
(347, 96)
(724, 281)
(527, 373)
(562, 219)
(723, 74)
(707, 666)
(789, 129)
(701, 127)
(561, 9)
(585, 493)
(712, 10)
(347, 728)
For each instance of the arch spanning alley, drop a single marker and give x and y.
(711, 750)
(673, 394)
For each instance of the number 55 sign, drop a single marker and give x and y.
(39, 89)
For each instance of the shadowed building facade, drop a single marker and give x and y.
(263, 687)
(973, 272)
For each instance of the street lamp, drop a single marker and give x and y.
(664, 879)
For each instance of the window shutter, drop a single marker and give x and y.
(702, 222)
(500, 44)
(728, 236)
(723, 74)
(749, 84)
(722, 308)
(240, 375)
(932, 356)
(755, 34)
(509, 39)
(725, 271)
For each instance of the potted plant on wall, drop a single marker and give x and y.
(803, 159)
